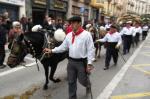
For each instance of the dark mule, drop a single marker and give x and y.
(33, 43)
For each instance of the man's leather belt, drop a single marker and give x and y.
(78, 59)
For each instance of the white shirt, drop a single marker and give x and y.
(137, 30)
(127, 31)
(83, 46)
(145, 28)
(107, 26)
(115, 37)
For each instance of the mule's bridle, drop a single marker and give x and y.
(32, 49)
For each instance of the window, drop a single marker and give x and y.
(76, 10)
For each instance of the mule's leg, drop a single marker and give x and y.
(46, 69)
(51, 77)
(99, 52)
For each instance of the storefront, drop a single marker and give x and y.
(95, 14)
(38, 11)
(80, 9)
(58, 9)
(14, 8)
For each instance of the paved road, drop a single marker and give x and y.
(22, 80)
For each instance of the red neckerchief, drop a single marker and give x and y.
(69, 29)
(111, 33)
(79, 31)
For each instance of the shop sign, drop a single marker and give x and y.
(43, 2)
(59, 4)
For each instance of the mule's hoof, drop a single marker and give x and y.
(45, 87)
(99, 56)
(55, 80)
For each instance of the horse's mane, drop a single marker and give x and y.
(35, 36)
(36, 39)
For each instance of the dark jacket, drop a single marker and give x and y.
(2, 35)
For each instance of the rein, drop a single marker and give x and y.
(32, 48)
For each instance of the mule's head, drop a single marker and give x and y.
(17, 51)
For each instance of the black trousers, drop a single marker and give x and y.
(76, 70)
(111, 51)
(137, 38)
(144, 34)
(127, 41)
(2, 54)
(109, 54)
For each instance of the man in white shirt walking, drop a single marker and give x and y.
(145, 30)
(114, 41)
(80, 45)
(127, 33)
(137, 31)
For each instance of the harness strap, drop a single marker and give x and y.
(37, 64)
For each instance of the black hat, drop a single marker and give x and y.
(75, 19)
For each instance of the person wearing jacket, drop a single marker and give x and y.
(2, 43)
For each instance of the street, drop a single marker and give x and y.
(28, 81)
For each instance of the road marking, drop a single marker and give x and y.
(147, 42)
(142, 70)
(106, 93)
(146, 53)
(146, 46)
(15, 69)
(136, 95)
(139, 67)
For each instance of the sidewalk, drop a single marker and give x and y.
(133, 80)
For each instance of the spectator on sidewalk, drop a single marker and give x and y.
(59, 24)
(15, 31)
(30, 24)
(2, 43)
(13, 34)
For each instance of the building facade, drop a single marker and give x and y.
(38, 9)
(14, 8)
(138, 7)
(80, 8)
(148, 7)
